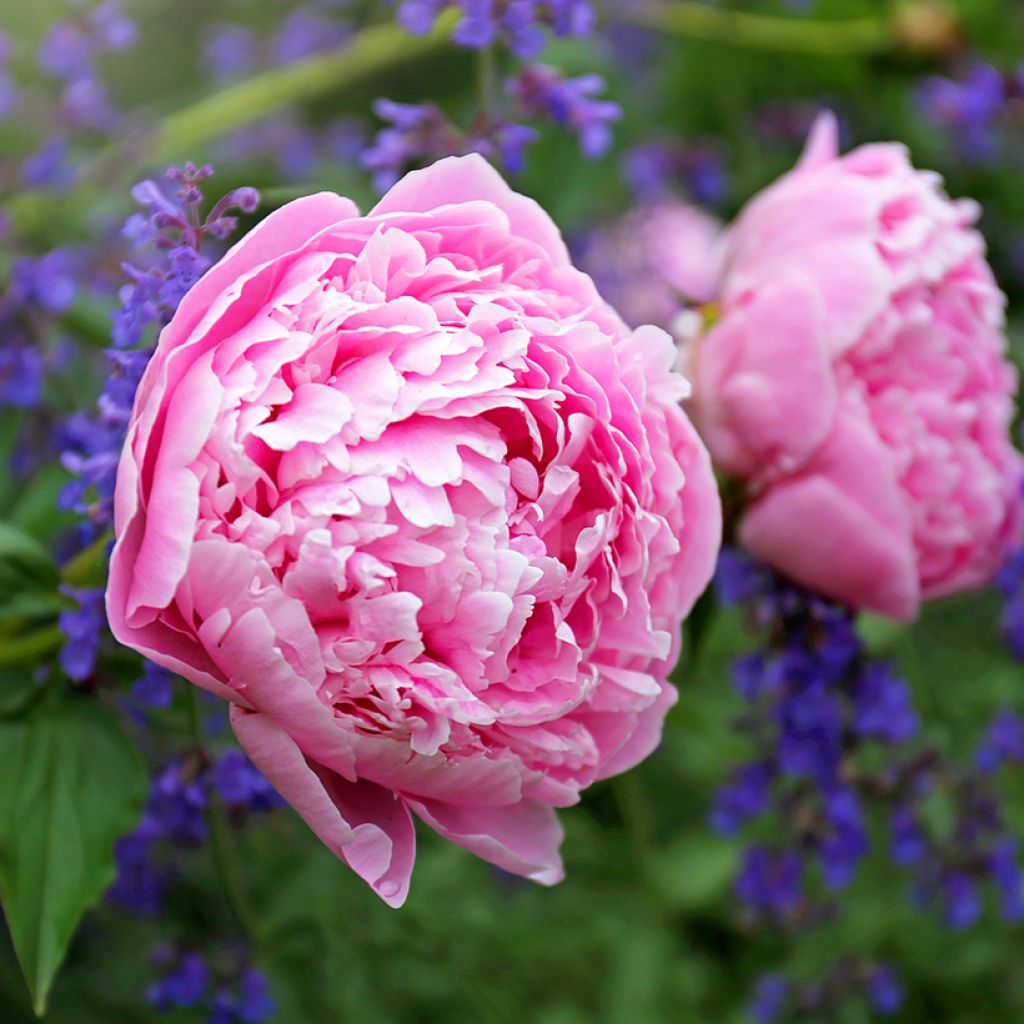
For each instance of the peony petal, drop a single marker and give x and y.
(368, 827)
(523, 839)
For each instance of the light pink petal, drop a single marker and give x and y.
(523, 839)
(822, 143)
(840, 526)
(368, 827)
(765, 392)
(459, 179)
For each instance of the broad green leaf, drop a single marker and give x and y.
(18, 691)
(72, 782)
(28, 578)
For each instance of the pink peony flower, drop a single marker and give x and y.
(405, 491)
(857, 382)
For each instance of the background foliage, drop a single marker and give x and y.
(646, 927)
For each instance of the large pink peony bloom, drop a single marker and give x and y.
(405, 491)
(857, 382)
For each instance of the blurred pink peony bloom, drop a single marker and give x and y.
(405, 491)
(857, 382)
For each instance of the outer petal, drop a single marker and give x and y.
(765, 394)
(459, 179)
(823, 225)
(367, 826)
(840, 526)
(523, 839)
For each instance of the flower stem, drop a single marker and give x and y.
(225, 860)
(487, 78)
(372, 50)
(850, 37)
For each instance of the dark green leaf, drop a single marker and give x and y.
(72, 782)
(28, 578)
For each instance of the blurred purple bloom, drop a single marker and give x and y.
(153, 688)
(519, 24)
(570, 102)
(46, 281)
(184, 987)
(82, 627)
(21, 376)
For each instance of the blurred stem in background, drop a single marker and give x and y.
(915, 26)
(225, 860)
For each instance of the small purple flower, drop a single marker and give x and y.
(884, 991)
(184, 987)
(967, 107)
(8, 91)
(304, 33)
(231, 51)
(255, 1001)
(22, 373)
(963, 902)
(153, 689)
(1004, 741)
(771, 882)
(46, 281)
(770, 998)
(520, 24)
(49, 166)
(82, 626)
(570, 102)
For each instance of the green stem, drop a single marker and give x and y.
(373, 50)
(850, 37)
(487, 78)
(225, 859)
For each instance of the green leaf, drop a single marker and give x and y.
(28, 577)
(72, 782)
(695, 871)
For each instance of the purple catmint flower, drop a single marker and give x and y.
(171, 227)
(967, 107)
(1010, 583)
(306, 32)
(231, 51)
(68, 52)
(185, 986)
(8, 91)
(153, 689)
(1004, 741)
(770, 998)
(255, 1001)
(46, 281)
(22, 372)
(885, 994)
(571, 102)
(519, 24)
(771, 882)
(658, 169)
(49, 166)
(82, 626)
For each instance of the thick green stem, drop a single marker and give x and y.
(851, 37)
(373, 50)
(225, 859)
